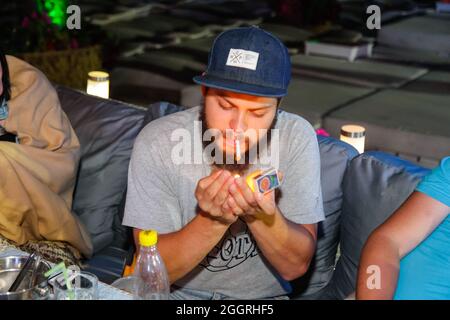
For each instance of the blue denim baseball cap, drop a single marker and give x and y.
(248, 60)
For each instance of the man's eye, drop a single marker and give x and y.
(225, 107)
(259, 114)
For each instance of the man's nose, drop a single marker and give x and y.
(239, 122)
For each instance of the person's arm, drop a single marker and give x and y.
(286, 231)
(184, 249)
(153, 203)
(395, 238)
(288, 246)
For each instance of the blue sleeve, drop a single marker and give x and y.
(437, 183)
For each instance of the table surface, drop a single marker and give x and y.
(105, 291)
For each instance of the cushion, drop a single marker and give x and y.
(292, 37)
(367, 73)
(434, 82)
(178, 65)
(400, 121)
(414, 57)
(313, 99)
(106, 130)
(412, 33)
(161, 109)
(150, 26)
(375, 185)
(335, 157)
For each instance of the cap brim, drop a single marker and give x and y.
(239, 87)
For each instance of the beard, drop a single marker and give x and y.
(224, 163)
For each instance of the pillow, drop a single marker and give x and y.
(106, 130)
(375, 186)
(335, 157)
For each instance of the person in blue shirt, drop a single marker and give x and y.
(412, 248)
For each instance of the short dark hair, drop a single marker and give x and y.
(6, 94)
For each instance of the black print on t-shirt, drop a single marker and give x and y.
(236, 246)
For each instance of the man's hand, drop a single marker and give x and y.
(211, 194)
(244, 202)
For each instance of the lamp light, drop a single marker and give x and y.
(354, 135)
(98, 84)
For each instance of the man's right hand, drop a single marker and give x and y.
(212, 193)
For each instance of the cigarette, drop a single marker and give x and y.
(238, 149)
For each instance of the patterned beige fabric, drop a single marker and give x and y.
(52, 251)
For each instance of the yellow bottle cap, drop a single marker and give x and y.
(148, 238)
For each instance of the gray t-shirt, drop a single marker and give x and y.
(161, 196)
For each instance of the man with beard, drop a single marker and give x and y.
(218, 238)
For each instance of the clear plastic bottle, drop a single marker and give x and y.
(151, 269)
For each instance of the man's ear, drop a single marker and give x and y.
(204, 91)
(279, 102)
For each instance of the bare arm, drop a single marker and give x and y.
(395, 238)
(288, 246)
(184, 249)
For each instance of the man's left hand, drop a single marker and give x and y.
(244, 202)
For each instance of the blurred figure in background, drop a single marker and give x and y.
(307, 13)
(39, 154)
(412, 248)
